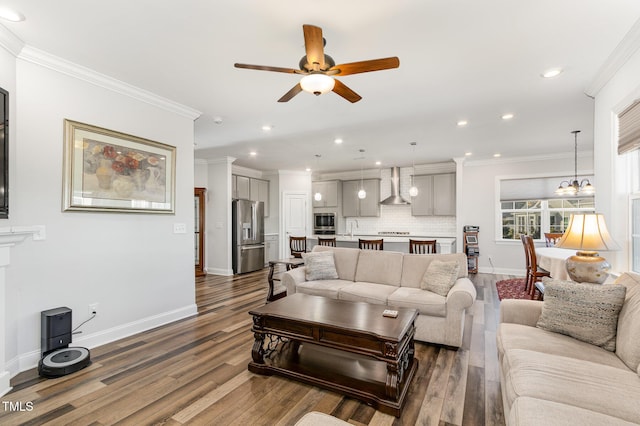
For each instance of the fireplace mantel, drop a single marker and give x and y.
(10, 236)
(16, 234)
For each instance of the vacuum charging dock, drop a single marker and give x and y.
(58, 359)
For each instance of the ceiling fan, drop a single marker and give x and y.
(318, 69)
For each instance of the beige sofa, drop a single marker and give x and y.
(553, 379)
(393, 279)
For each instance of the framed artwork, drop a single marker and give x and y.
(4, 154)
(111, 171)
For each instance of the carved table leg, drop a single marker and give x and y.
(257, 352)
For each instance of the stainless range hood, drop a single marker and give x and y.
(395, 199)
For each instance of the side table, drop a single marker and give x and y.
(289, 264)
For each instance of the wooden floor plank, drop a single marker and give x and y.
(194, 371)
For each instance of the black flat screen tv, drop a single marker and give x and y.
(4, 154)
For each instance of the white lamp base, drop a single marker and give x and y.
(588, 266)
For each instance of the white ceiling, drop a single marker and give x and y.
(459, 59)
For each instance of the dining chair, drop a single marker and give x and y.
(422, 246)
(297, 245)
(551, 238)
(370, 244)
(534, 272)
(331, 242)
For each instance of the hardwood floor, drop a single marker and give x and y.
(194, 371)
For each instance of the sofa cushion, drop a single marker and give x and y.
(588, 312)
(440, 277)
(415, 265)
(346, 260)
(326, 288)
(379, 267)
(319, 266)
(527, 411)
(627, 342)
(588, 385)
(425, 302)
(518, 336)
(375, 294)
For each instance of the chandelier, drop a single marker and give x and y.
(574, 187)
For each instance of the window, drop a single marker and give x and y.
(635, 233)
(535, 217)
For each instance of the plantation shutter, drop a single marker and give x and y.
(629, 128)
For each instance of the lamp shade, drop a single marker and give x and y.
(587, 232)
(318, 84)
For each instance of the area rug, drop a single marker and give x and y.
(512, 288)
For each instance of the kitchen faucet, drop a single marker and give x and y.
(351, 227)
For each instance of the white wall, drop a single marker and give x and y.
(133, 265)
(620, 91)
(480, 204)
(218, 213)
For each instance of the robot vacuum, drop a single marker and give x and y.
(58, 359)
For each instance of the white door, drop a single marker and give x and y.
(294, 218)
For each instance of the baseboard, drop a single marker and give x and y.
(503, 271)
(220, 271)
(30, 360)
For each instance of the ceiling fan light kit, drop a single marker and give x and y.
(317, 83)
(318, 69)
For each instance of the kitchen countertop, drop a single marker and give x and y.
(387, 238)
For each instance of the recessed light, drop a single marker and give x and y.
(497, 155)
(267, 127)
(253, 153)
(308, 169)
(378, 163)
(462, 123)
(507, 116)
(550, 73)
(11, 15)
(468, 153)
(337, 141)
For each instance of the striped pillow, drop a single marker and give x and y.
(584, 311)
(319, 265)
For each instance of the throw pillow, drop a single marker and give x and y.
(440, 277)
(319, 265)
(584, 311)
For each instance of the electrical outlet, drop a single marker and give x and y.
(93, 309)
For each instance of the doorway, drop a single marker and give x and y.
(199, 203)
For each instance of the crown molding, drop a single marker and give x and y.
(10, 41)
(528, 159)
(47, 60)
(620, 55)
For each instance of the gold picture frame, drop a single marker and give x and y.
(109, 171)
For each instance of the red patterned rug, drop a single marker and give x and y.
(512, 289)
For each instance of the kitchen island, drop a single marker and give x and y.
(391, 242)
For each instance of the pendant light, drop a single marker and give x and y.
(413, 191)
(318, 195)
(574, 187)
(362, 194)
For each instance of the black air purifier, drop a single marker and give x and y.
(58, 359)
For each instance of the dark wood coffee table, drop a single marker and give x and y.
(347, 347)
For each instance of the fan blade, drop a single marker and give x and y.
(366, 66)
(267, 68)
(342, 90)
(314, 45)
(291, 93)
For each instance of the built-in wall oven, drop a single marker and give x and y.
(324, 223)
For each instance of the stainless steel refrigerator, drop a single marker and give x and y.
(248, 236)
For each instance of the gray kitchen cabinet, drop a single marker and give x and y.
(436, 195)
(234, 190)
(259, 191)
(352, 206)
(329, 191)
(242, 187)
(270, 248)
